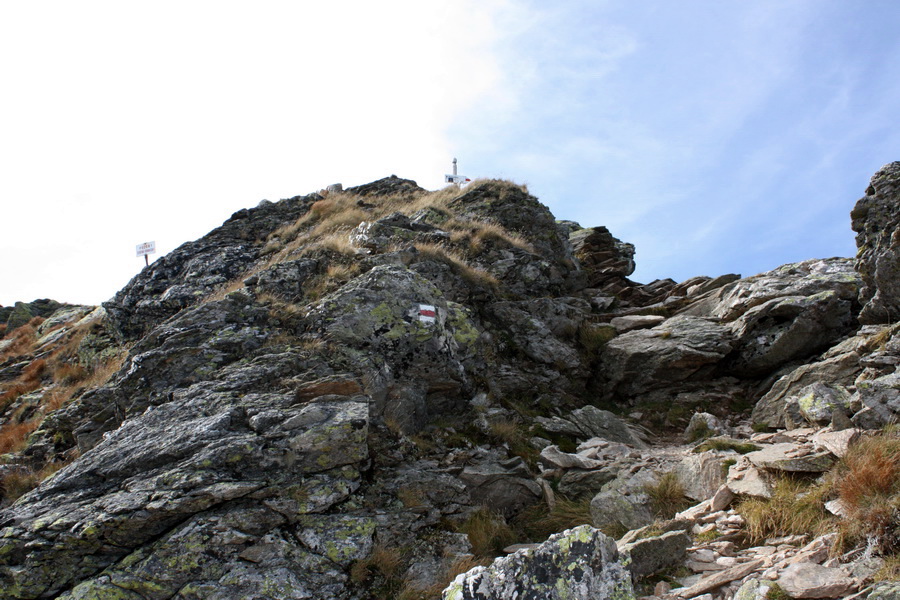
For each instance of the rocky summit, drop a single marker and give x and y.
(386, 392)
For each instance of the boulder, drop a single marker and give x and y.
(577, 564)
(624, 502)
(791, 458)
(809, 580)
(653, 554)
(591, 422)
(506, 486)
(679, 349)
(703, 425)
(882, 396)
(701, 474)
(876, 221)
(772, 409)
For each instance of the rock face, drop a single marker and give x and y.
(316, 399)
(578, 564)
(876, 222)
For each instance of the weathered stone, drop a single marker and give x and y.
(704, 425)
(882, 396)
(577, 564)
(840, 369)
(591, 422)
(578, 483)
(553, 457)
(791, 458)
(818, 401)
(701, 474)
(876, 221)
(746, 479)
(717, 580)
(630, 322)
(624, 502)
(836, 442)
(653, 554)
(675, 351)
(504, 486)
(809, 580)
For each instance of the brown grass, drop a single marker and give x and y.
(18, 483)
(538, 523)
(23, 341)
(867, 482)
(794, 508)
(473, 275)
(14, 435)
(2, 330)
(488, 532)
(667, 496)
(35, 370)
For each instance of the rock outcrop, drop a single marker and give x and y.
(354, 394)
(876, 222)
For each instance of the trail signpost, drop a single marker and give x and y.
(457, 179)
(145, 249)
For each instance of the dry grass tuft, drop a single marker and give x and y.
(538, 523)
(667, 496)
(794, 508)
(16, 484)
(867, 482)
(488, 532)
(23, 339)
(14, 435)
(473, 275)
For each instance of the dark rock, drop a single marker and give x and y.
(876, 220)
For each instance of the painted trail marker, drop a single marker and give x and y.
(145, 249)
(427, 314)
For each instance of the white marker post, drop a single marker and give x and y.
(145, 249)
(457, 179)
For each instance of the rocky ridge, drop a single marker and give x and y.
(319, 399)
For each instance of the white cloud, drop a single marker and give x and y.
(126, 122)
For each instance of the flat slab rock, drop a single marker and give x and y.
(809, 580)
(792, 458)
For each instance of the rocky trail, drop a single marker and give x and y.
(385, 392)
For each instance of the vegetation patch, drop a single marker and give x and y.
(723, 444)
(794, 508)
(667, 496)
(488, 532)
(537, 523)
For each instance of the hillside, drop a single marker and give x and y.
(365, 393)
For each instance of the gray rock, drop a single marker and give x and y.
(704, 425)
(630, 322)
(701, 474)
(578, 483)
(653, 554)
(886, 590)
(677, 350)
(882, 397)
(577, 564)
(791, 458)
(839, 369)
(809, 580)
(624, 502)
(505, 486)
(818, 402)
(875, 219)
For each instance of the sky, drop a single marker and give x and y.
(717, 137)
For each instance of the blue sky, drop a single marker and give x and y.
(715, 136)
